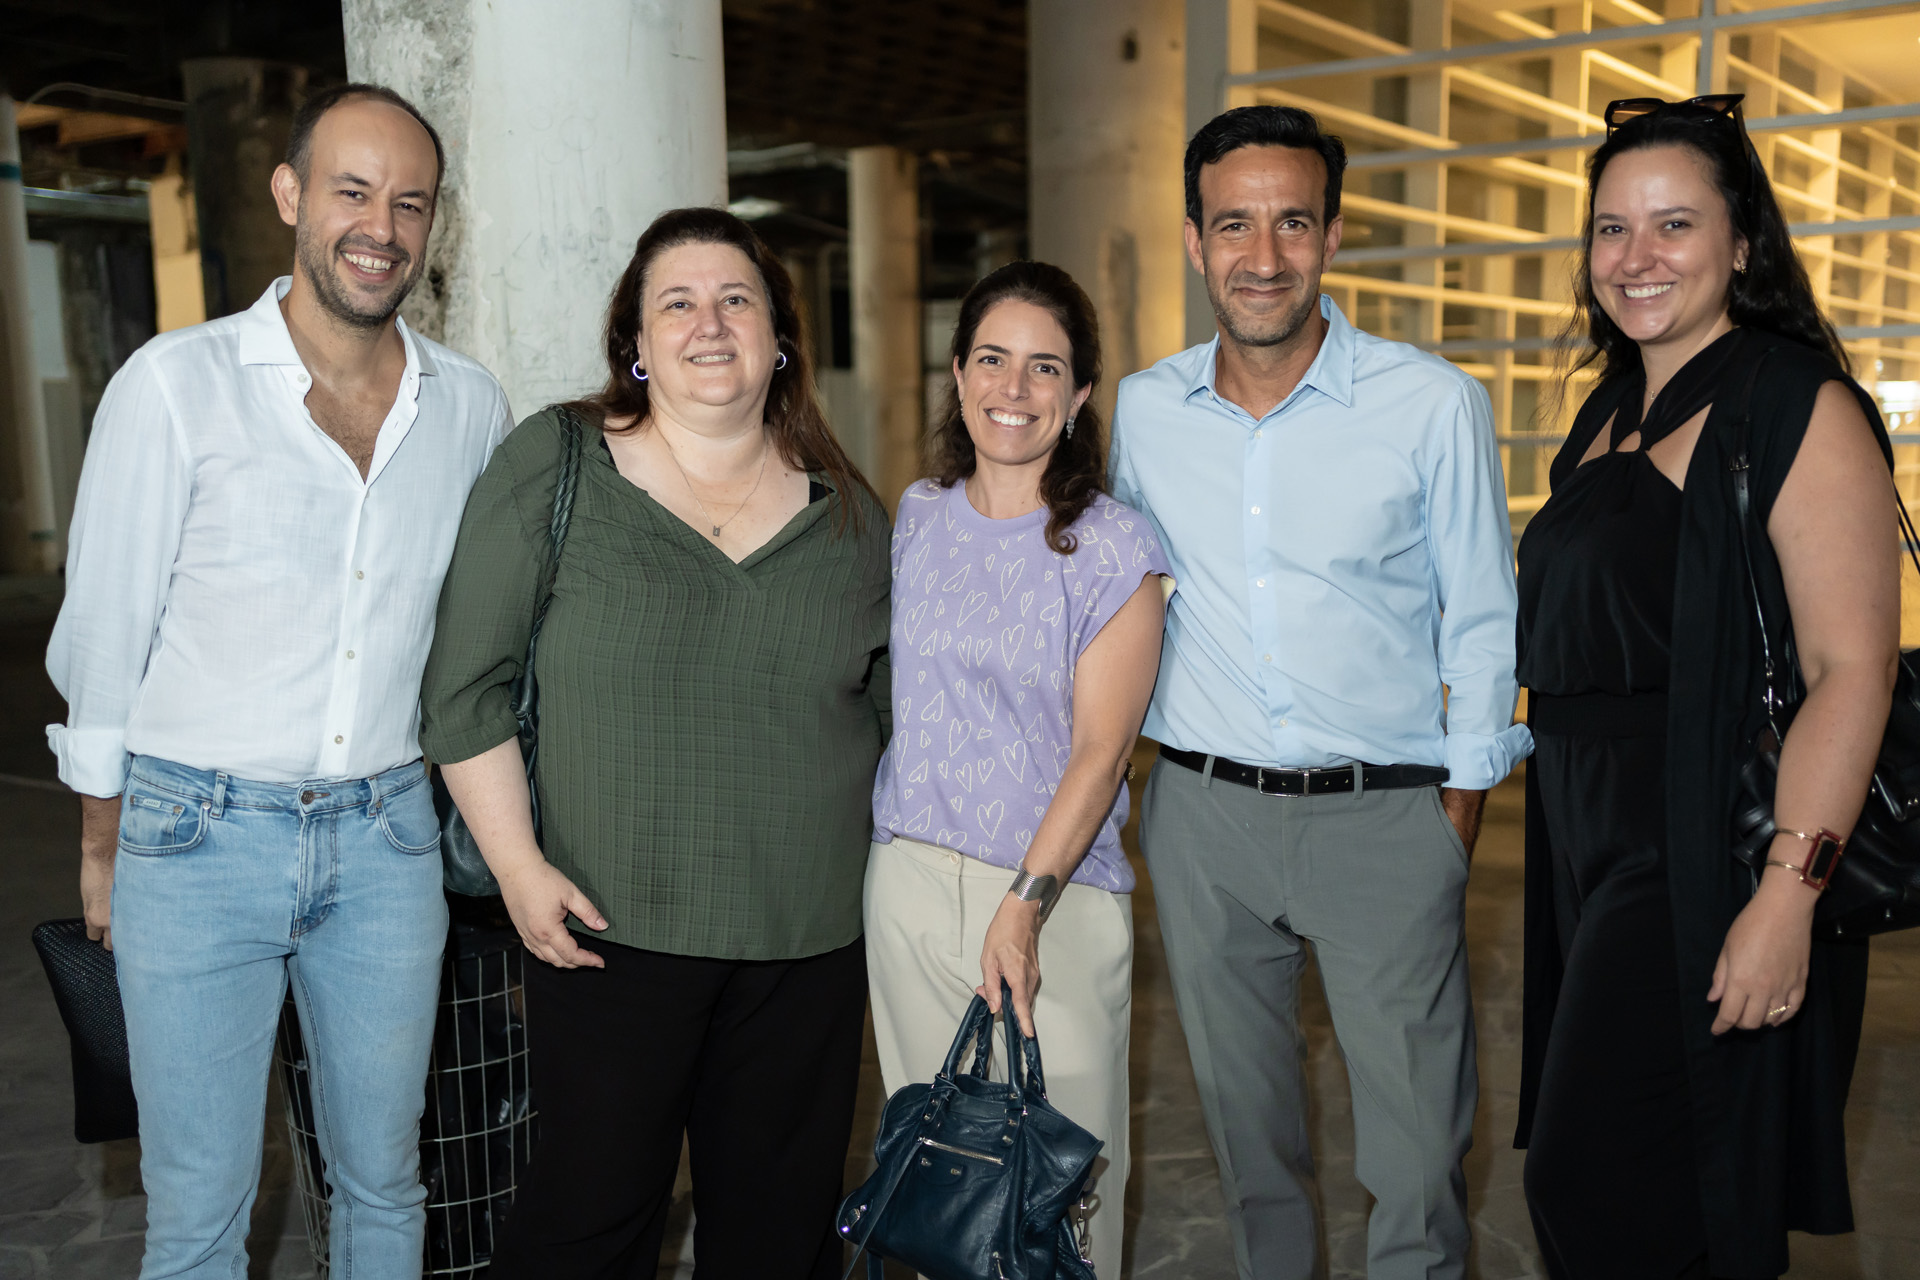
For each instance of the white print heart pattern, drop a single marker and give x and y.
(986, 627)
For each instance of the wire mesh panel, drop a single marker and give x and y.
(477, 1129)
(309, 1179)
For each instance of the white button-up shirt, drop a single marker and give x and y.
(238, 597)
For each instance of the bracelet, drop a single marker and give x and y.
(1031, 888)
(1822, 858)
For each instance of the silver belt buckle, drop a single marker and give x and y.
(1286, 782)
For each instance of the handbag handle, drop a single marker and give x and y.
(1023, 1051)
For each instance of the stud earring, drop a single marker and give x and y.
(781, 363)
(639, 374)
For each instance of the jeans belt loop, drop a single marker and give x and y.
(1206, 774)
(1359, 780)
(218, 805)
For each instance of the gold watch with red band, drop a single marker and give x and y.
(1823, 855)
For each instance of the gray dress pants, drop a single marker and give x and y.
(1376, 883)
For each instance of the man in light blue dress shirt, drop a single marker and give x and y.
(1336, 695)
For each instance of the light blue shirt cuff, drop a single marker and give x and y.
(1477, 761)
(92, 761)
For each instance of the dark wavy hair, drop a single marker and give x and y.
(795, 420)
(1077, 469)
(1773, 294)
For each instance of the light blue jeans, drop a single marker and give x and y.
(225, 891)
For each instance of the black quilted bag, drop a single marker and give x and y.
(87, 991)
(464, 871)
(976, 1180)
(1875, 886)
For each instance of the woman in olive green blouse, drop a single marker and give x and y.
(713, 695)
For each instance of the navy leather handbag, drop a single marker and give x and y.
(977, 1179)
(463, 869)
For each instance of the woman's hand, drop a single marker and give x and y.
(1763, 962)
(540, 898)
(1012, 952)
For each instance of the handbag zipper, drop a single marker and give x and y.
(961, 1151)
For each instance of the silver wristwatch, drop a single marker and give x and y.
(1044, 890)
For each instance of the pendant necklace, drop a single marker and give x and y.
(758, 477)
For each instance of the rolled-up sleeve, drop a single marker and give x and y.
(135, 488)
(1473, 563)
(487, 603)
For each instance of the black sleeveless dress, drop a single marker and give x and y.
(1610, 1176)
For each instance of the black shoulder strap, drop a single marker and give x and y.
(526, 702)
(1743, 507)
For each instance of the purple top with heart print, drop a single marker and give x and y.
(988, 621)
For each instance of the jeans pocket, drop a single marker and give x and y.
(153, 823)
(408, 821)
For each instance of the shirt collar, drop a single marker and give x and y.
(1331, 372)
(264, 338)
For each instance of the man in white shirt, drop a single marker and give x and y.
(268, 505)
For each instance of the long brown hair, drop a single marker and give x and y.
(1772, 294)
(1077, 470)
(795, 421)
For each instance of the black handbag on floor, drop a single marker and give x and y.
(464, 870)
(87, 990)
(1875, 886)
(976, 1179)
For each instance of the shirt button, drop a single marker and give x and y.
(304, 379)
(349, 653)
(359, 573)
(1257, 434)
(338, 739)
(1266, 657)
(1256, 511)
(1283, 722)
(1258, 582)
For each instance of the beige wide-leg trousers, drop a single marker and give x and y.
(927, 912)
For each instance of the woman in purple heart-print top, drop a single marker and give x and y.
(1027, 614)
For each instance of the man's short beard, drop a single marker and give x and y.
(316, 262)
(1285, 327)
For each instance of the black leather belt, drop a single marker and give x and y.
(1309, 782)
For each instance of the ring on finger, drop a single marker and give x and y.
(1774, 1014)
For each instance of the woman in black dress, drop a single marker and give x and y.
(1688, 1044)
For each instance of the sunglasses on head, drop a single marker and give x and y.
(1622, 110)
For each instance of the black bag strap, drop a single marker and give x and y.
(1742, 500)
(526, 692)
(1743, 505)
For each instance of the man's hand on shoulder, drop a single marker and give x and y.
(99, 841)
(1463, 810)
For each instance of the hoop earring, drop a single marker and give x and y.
(639, 374)
(781, 363)
(1069, 428)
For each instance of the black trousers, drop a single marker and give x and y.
(1611, 1178)
(755, 1062)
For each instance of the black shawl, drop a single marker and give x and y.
(1767, 1104)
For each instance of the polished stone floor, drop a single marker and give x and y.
(75, 1213)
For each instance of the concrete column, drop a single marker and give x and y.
(1430, 26)
(883, 268)
(1223, 39)
(1105, 86)
(28, 536)
(239, 112)
(568, 125)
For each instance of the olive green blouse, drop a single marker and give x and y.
(708, 730)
